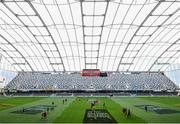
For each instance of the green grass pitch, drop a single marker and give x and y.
(73, 111)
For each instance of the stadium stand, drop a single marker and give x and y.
(115, 81)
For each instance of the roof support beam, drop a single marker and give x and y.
(82, 17)
(141, 25)
(18, 52)
(102, 30)
(163, 54)
(23, 24)
(47, 31)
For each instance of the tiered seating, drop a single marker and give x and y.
(142, 81)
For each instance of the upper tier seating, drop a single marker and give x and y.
(116, 81)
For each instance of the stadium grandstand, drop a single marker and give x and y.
(118, 61)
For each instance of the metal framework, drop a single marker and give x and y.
(71, 35)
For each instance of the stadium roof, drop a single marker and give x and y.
(71, 35)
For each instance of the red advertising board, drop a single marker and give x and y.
(91, 72)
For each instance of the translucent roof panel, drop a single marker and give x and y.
(71, 35)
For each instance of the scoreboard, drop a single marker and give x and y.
(90, 72)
